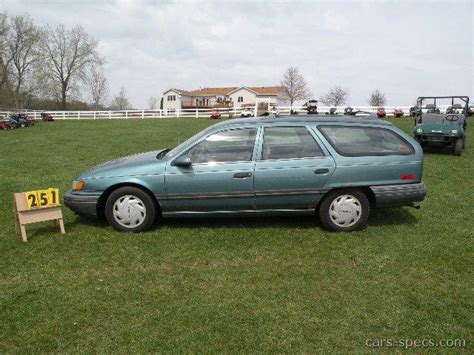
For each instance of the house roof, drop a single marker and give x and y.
(223, 91)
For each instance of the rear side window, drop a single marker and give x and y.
(289, 143)
(365, 141)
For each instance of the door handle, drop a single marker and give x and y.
(242, 175)
(321, 171)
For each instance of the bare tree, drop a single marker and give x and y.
(22, 47)
(337, 96)
(120, 102)
(5, 60)
(377, 98)
(69, 54)
(98, 86)
(295, 84)
(152, 103)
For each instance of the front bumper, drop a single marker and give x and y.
(85, 205)
(398, 195)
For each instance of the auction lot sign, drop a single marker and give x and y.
(37, 206)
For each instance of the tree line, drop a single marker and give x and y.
(297, 87)
(50, 68)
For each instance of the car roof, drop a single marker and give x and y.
(302, 119)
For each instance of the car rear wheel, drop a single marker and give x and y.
(344, 210)
(130, 209)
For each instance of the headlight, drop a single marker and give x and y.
(454, 131)
(419, 130)
(78, 185)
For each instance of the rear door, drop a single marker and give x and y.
(291, 170)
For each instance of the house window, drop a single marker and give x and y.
(240, 99)
(171, 98)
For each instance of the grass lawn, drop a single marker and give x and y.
(226, 285)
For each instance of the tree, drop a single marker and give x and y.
(152, 103)
(22, 50)
(295, 84)
(377, 98)
(120, 102)
(337, 96)
(69, 54)
(4, 61)
(98, 86)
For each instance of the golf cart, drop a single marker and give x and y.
(434, 128)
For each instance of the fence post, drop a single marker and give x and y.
(161, 114)
(178, 111)
(64, 115)
(78, 115)
(197, 113)
(110, 115)
(94, 114)
(126, 114)
(143, 114)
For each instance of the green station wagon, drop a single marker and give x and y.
(335, 166)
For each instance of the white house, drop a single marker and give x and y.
(174, 99)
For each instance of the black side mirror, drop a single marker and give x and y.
(183, 161)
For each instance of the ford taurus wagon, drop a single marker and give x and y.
(338, 167)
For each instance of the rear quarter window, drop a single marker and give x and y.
(365, 141)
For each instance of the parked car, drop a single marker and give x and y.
(47, 117)
(215, 115)
(434, 128)
(381, 113)
(337, 167)
(247, 112)
(398, 112)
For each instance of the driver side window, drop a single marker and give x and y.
(225, 146)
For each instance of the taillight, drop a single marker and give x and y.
(407, 177)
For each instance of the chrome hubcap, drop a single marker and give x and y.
(345, 210)
(129, 211)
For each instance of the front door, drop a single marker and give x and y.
(292, 169)
(220, 178)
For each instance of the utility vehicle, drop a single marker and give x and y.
(436, 126)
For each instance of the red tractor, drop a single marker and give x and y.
(31, 121)
(398, 112)
(47, 117)
(312, 107)
(215, 115)
(381, 113)
(4, 125)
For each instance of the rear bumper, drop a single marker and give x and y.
(85, 205)
(398, 195)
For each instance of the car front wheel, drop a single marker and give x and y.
(344, 211)
(130, 209)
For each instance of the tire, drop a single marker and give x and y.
(420, 142)
(354, 209)
(458, 146)
(130, 209)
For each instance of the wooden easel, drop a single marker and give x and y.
(25, 215)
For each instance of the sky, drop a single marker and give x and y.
(405, 48)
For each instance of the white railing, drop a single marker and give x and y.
(199, 112)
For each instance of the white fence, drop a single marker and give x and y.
(196, 112)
